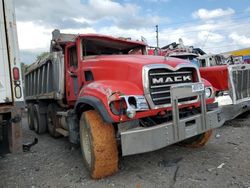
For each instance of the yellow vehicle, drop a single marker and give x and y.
(244, 53)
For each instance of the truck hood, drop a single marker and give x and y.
(125, 68)
(135, 60)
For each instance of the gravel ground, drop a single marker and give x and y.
(223, 162)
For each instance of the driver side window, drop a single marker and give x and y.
(73, 57)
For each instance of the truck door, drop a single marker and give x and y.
(71, 73)
(5, 79)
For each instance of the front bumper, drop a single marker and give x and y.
(141, 139)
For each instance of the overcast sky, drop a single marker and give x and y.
(213, 25)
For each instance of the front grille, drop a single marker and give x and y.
(161, 79)
(241, 82)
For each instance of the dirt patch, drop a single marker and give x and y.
(223, 162)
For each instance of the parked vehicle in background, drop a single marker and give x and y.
(226, 72)
(11, 95)
(243, 54)
(95, 90)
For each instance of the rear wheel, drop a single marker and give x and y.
(197, 141)
(52, 120)
(98, 144)
(30, 116)
(39, 120)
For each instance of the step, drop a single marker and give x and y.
(62, 132)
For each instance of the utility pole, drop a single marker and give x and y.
(157, 37)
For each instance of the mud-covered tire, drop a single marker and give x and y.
(30, 116)
(197, 141)
(98, 144)
(52, 120)
(40, 122)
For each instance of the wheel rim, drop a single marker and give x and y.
(86, 146)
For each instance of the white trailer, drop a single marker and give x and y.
(11, 94)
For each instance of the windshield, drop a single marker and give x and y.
(193, 59)
(186, 57)
(102, 46)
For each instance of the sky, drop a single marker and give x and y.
(213, 25)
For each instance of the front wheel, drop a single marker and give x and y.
(197, 141)
(98, 144)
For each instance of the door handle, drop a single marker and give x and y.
(72, 74)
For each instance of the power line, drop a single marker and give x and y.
(235, 16)
(232, 45)
(215, 29)
(228, 48)
(206, 40)
(220, 26)
(231, 24)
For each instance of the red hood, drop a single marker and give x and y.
(136, 60)
(126, 68)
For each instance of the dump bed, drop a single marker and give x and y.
(45, 78)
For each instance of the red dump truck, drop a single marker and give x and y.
(108, 95)
(11, 96)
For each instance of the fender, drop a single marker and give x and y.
(96, 104)
(207, 83)
(97, 94)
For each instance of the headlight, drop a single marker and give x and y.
(208, 92)
(137, 102)
(129, 104)
(118, 107)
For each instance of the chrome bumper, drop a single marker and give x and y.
(140, 139)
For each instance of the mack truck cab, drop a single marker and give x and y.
(108, 95)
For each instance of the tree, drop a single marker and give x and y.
(41, 55)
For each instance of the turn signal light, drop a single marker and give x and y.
(16, 74)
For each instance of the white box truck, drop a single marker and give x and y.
(11, 93)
